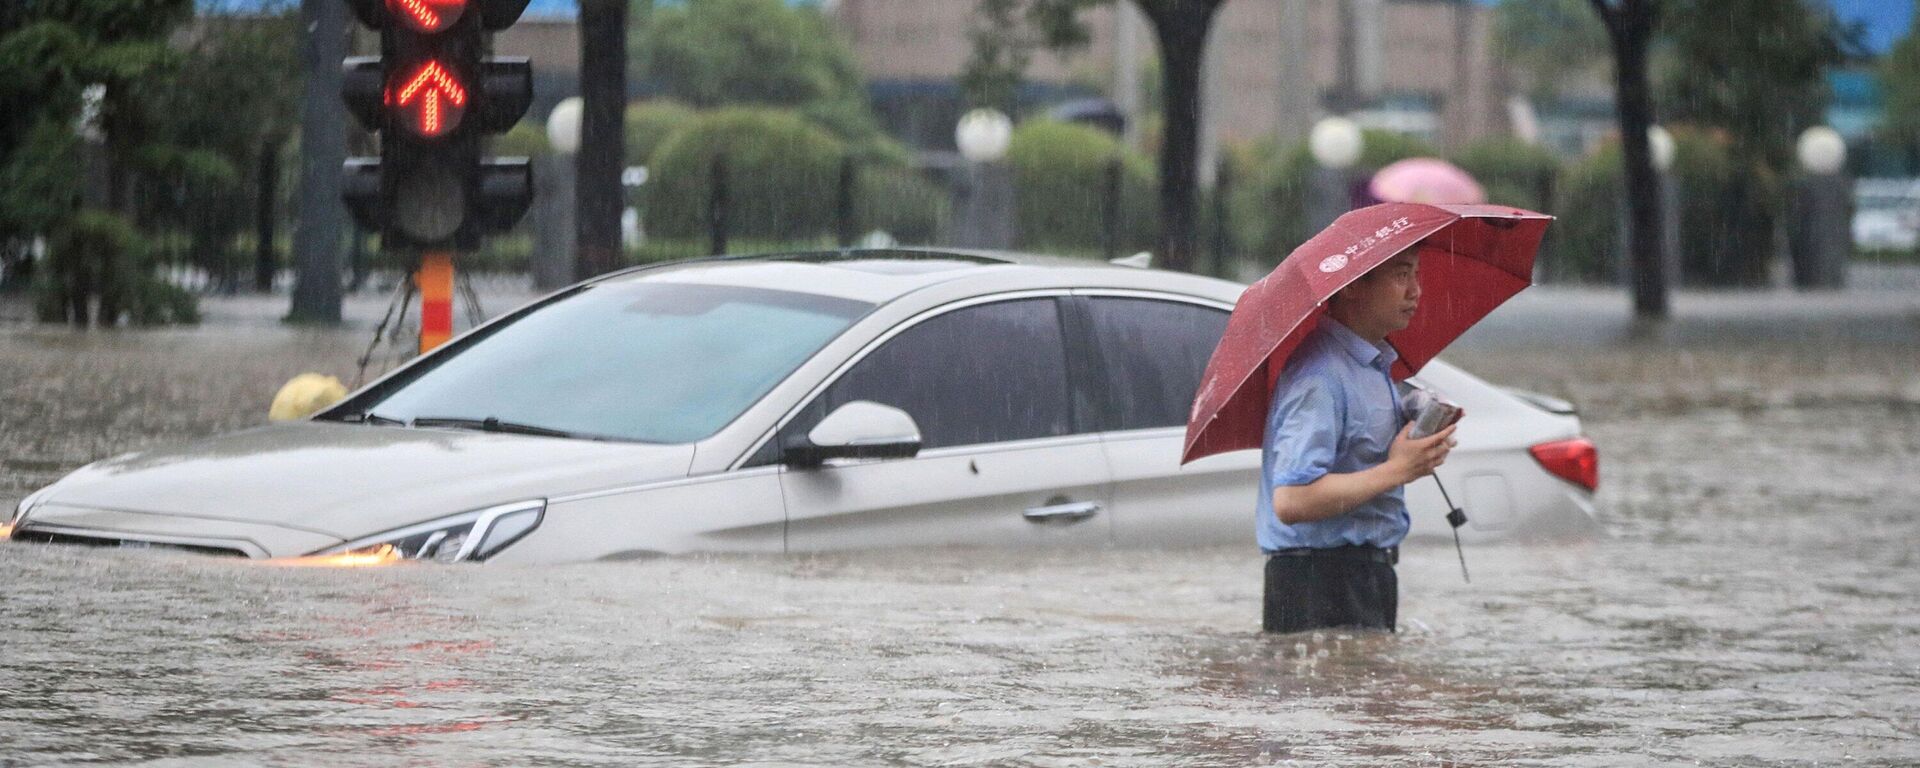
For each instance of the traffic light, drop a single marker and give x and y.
(434, 95)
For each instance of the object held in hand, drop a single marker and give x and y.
(1435, 415)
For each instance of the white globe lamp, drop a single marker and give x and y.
(983, 135)
(563, 125)
(1335, 143)
(1821, 150)
(1660, 144)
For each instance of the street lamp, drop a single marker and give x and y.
(554, 208)
(1335, 144)
(1820, 230)
(983, 215)
(1661, 147)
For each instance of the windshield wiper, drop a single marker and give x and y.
(372, 419)
(488, 424)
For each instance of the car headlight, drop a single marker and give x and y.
(466, 537)
(20, 511)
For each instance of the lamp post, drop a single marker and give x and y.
(1819, 233)
(983, 212)
(553, 227)
(1661, 146)
(1335, 144)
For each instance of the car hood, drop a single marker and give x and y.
(352, 480)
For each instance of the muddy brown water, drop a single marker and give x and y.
(1753, 603)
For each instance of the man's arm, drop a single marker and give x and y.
(1334, 494)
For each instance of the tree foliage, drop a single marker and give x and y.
(709, 53)
(1181, 28)
(1060, 176)
(1550, 41)
(1757, 76)
(1900, 75)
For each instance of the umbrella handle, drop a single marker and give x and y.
(1456, 517)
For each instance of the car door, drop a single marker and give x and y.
(1149, 351)
(1002, 461)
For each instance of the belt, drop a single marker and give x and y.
(1387, 555)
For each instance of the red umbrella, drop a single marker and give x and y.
(1472, 258)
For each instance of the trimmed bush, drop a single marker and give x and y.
(1584, 244)
(1513, 172)
(1059, 172)
(1270, 211)
(900, 202)
(782, 173)
(649, 124)
(97, 258)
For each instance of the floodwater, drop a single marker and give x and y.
(1753, 603)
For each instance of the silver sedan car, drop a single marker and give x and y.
(787, 403)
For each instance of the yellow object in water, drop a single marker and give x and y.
(305, 394)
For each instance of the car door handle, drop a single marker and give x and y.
(1063, 513)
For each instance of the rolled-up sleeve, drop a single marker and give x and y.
(1302, 432)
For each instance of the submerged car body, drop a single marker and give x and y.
(795, 403)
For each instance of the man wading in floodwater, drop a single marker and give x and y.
(1334, 460)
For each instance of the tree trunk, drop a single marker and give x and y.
(1630, 27)
(603, 89)
(1181, 27)
(320, 212)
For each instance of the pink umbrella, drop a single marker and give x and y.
(1426, 180)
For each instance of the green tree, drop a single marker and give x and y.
(1900, 76)
(50, 50)
(780, 173)
(709, 53)
(218, 125)
(1181, 28)
(1759, 76)
(1549, 41)
(51, 53)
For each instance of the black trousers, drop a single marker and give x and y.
(1325, 588)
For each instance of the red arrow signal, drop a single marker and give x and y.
(433, 101)
(427, 15)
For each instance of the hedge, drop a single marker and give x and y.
(1059, 176)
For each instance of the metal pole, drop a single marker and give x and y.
(1110, 209)
(843, 209)
(717, 205)
(435, 278)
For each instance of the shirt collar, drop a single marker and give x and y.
(1364, 352)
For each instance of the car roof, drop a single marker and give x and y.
(876, 275)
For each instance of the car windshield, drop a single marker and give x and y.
(655, 362)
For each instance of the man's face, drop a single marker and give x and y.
(1383, 300)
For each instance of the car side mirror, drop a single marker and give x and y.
(862, 429)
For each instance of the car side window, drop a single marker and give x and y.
(1154, 353)
(982, 374)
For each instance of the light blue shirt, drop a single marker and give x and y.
(1335, 410)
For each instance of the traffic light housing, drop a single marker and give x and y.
(433, 95)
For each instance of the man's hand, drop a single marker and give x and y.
(1412, 459)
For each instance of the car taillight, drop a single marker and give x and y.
(1577, 461)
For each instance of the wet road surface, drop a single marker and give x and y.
(1752, 604)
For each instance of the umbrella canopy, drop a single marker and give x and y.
(1472, 258)
(1426, 180)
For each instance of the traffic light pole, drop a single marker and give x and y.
(435, 280)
